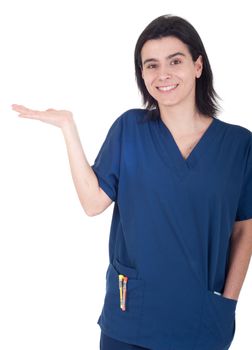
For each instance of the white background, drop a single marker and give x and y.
(78, 55)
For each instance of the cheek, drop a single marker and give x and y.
(150, 80)
(148, 86)
(147, 80)
(190, 80)
(188, 76)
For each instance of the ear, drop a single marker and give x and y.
(198, 66)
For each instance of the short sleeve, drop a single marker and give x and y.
(244, 211)
(107, 163)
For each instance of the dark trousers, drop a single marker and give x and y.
(107, 343)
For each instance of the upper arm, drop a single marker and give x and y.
(243, 229)
(107, 166)
(104, 201)
(244, 209)
(243, 226)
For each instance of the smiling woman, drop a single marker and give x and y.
(177, 199)
(178, 253)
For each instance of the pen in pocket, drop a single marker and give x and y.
(125, 280)
(123, 290)
(120, 277)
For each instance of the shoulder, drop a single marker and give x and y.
(237, 132)
(130, 119)
(127, 122)
(134, 115)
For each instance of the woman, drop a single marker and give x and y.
(181, 179)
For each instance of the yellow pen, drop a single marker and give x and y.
(121, 277)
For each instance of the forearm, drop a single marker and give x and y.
(240, 254)
(84, 178)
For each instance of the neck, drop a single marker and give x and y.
(183, 120)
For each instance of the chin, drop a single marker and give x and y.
(167, 103)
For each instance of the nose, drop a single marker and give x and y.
(164, 73)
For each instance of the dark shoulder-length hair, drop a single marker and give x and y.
(169, 25)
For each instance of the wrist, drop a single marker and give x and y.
(230, 295)
(68, 123)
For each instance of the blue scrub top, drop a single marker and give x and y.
(170, 231)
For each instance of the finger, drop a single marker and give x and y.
(24, 110)
(34, 115)
(23, 115)
(19, 108)
(15, 106)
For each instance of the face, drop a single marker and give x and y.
(167, 62)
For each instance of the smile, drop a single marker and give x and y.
(167, 88)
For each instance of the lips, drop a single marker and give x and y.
(166, 88)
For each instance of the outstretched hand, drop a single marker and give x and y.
(50, 116)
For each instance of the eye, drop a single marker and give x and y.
(176, 61)
(150, 66)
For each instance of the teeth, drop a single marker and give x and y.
(167, 88)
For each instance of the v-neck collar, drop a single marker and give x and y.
(172, 153)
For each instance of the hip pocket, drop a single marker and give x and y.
(113, 319)
(218, 322)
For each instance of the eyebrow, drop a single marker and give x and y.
(168, 57)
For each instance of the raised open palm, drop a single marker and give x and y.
(50, 116)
